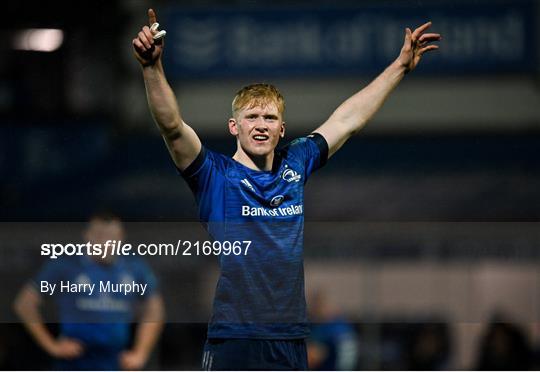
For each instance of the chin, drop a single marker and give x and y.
(260, 152)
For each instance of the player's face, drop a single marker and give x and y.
(258, 129)
(100, 231)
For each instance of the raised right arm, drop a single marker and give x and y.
(181, 140)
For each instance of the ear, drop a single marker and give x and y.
(282, 130)
(233, 129)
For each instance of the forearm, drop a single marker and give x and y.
(161, 99)
(150, 326)
(146, 337)
(41, 334)
(356, 111)
(181, 140)
(33, 322)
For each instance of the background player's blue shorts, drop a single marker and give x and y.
(250, 354)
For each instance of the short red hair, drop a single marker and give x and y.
(259, 94)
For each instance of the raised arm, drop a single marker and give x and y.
(180, 138)
(356, 111)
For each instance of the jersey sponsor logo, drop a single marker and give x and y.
(290, 175)
(292, 210)
(277, 200)
(103, 303)
(246, 183)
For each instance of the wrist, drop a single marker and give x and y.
(399, 66)
(155, 65)
(149, 65)
(142, 352)
(50, 346)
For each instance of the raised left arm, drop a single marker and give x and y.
(356, 111)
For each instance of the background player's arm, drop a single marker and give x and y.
(146, 334)
(181, 139)
(355, 112)
(26, 306)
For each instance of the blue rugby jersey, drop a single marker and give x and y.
(259, 294)
(100, 320)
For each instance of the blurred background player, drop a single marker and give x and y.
(95, 331)
(332, 344)
(429, 347)
(259, 316)
(504, 346)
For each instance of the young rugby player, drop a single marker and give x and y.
(259, 319)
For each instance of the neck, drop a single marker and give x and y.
(259, 163)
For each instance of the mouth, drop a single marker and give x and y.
(260, 138)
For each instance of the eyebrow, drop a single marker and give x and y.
(267, 116)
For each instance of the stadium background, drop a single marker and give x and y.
(426, 220)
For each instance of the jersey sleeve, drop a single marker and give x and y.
(145, 275)
(310, 151)
(205, 179)
(51, 271)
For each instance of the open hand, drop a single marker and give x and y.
(415, 45)
(147, 50)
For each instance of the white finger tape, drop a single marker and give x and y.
(159, 34)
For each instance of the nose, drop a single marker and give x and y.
(261, 125)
